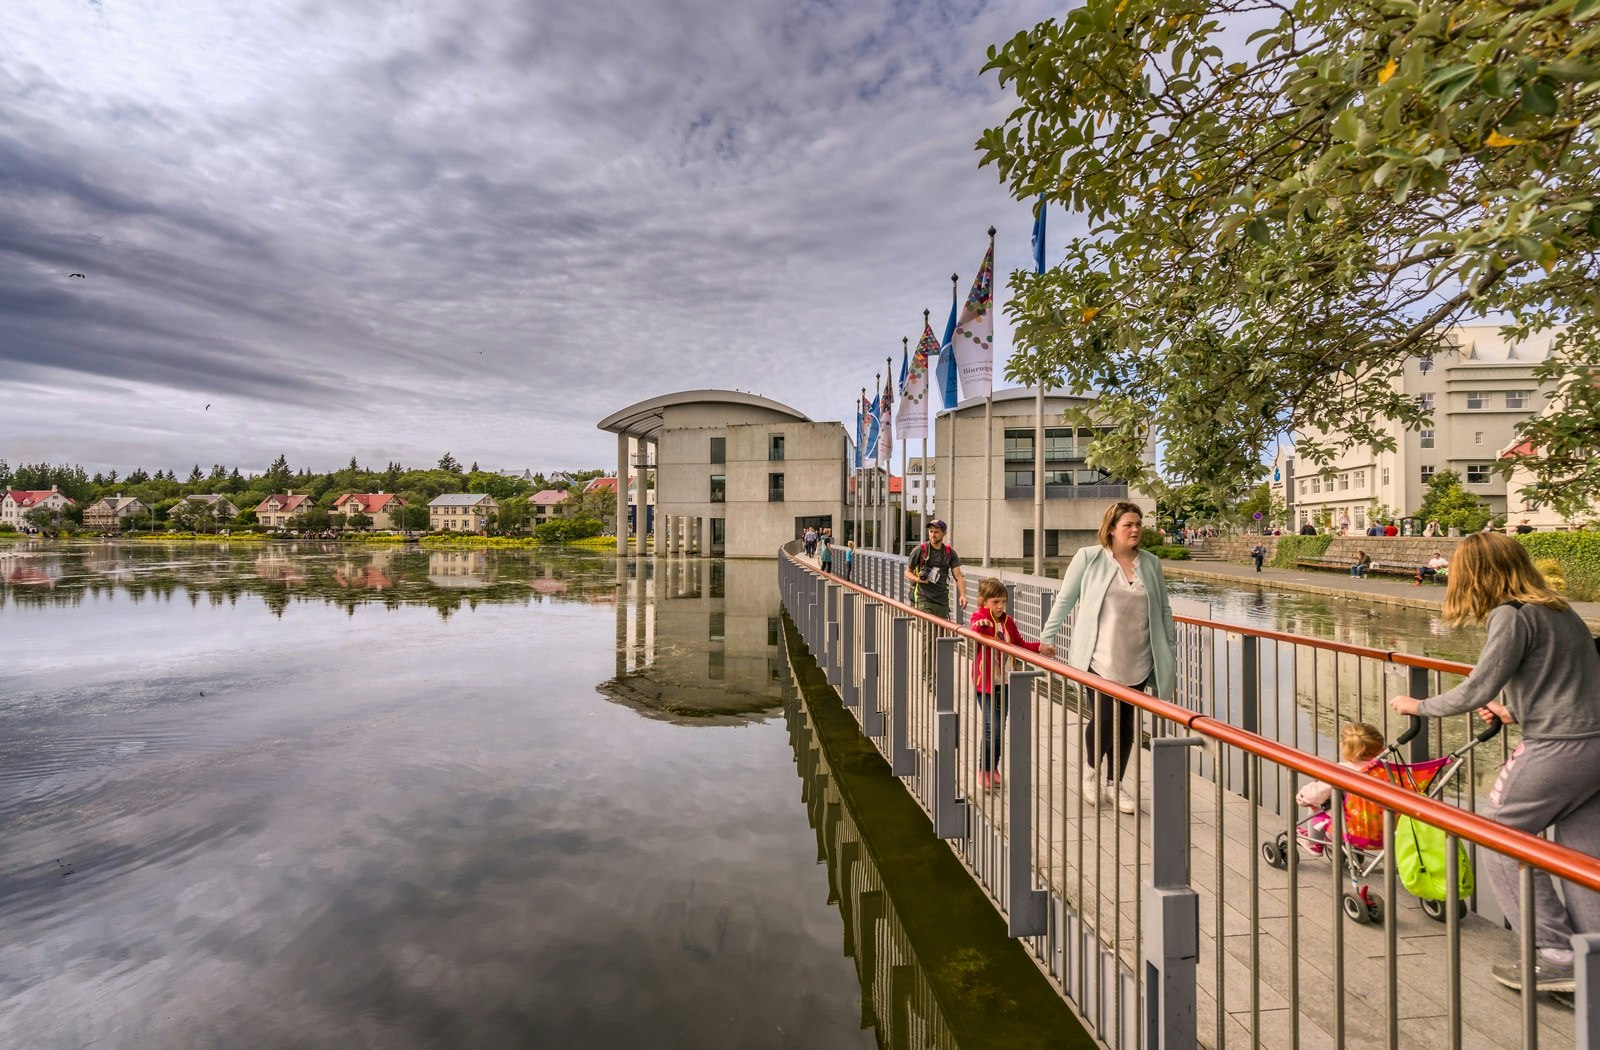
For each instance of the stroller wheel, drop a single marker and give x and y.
(1355, 909)
(1274, 855)
(1374, 909)
(1438, 911)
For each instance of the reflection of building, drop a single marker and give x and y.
(736, 473)
(1477, 393)
(365, 574)
(459, 569)
(275, 511)
(461, 512)
(1075, 496)
(16, 503)
(375, 505)
(111, 512)
(697, 639)
(277, 566)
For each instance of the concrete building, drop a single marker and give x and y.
(729, 473)
(16, 503)
(1478, 392)
(461, 512)
(1076, 495)
(1281, 484)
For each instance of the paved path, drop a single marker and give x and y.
(1383, 589)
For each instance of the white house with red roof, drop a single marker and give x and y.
(375, 505)
(275, 511)
(16, 503)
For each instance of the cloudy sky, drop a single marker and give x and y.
(390, 229)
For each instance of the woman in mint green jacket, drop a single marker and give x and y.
(1124, 633)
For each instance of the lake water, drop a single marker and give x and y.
(273, 796)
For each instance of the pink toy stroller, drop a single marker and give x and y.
(1362, 844)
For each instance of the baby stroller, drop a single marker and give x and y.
(1363, 823)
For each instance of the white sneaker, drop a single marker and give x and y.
(1092, 788)
(1125, 803)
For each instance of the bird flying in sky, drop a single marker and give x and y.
(75, 275)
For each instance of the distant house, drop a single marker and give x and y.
(275, 511)
(111, 512)
(461, 512)
(221, 507)
(605, 484)
(551, 503)
(16, 503)
(375, 505)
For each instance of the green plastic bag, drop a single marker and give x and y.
(1419, 860)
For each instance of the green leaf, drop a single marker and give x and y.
(1538, 99)
(1256, 229)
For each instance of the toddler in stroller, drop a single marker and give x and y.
(1359, 744)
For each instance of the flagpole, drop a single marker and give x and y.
(861, 457)
(988, 456)
(949, 514)
(905, 488)
(888, 470)
(922, 474)
(1038, 479)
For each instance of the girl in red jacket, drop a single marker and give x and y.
(990, 619)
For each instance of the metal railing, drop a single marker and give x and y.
(1199, 918)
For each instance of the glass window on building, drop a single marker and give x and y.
(774, 488)
(1344, 482)
(1477, 473)
(1427, 474)
(1316, 485)
(719, 450)
(719, 488)
(1064, 477)
(1361, 479)
(1517, 398)
(1425, 365)
(1359, 520)
(1425, 402)
(775, 447)
(1477, 401)
(1477, 437)
(1059, 444)
(1302, 488)
(1019, 446)
(1052, 543)
(1019, 479)
(1383, 476)
(1427, 438)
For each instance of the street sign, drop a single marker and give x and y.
(1257, 515)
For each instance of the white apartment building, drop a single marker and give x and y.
(1478, 393)
(919, 490)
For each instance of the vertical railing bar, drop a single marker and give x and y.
(1293, 849)
(1452, 936)
(1255, 908)
(1525, 931)
(1335, 837)
(1219, 764)
(1391, 944)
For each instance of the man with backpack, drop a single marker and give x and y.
(931, 568)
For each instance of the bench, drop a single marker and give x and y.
(1377, 568)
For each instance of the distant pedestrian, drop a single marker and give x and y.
(1432, 530)
(1258, 554)
(932, 567)
(1523, 528)
(1374, 529)
(1391, 529)
(849, 558)
(826, 551)
(1359, 567)
(811, 542)
(1308, 529)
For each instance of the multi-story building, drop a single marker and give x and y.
(549, 504)
(461, 512)
(275, 511)
(15, 504)
(375, 505)
(112, 511)
(1075, 497)
(921, 481)
(1478, 393)
(734, 474)
(217, 505)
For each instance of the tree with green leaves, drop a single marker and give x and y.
(278, 476)
(1275, 227)
(1452, 506)
(448, 463)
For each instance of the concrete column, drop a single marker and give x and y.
(664, 535)
(642, 506)
(622, 495)
(695, 526)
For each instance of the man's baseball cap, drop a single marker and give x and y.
(938, 523)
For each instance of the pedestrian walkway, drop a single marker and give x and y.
(1387, 590)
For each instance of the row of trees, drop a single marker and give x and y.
(1445, 501)
(165, 494)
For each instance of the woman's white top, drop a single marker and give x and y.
(1122, 645)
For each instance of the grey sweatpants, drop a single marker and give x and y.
(1544, 783)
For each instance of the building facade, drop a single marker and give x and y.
(15, 504)
(461, 512)
(275, 511)
(218, 506)
(921, 482)
(550, 504)
(1076, 495)
(375, 505)
(729, 473)
(110, 512)
(1479, 392)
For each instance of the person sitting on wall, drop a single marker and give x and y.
(1359, 567)
(1308, 529)
(1435, 566)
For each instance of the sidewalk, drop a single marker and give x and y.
(1386, 590)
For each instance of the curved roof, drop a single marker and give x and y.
(643, 420)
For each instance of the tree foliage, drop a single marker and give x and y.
(1452, 506)
(1275, 224)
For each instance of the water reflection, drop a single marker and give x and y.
(696, 640)
(282, 574)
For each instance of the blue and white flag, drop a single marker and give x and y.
(861, 426)
(1038, 235)
(886, 431)
(944, 372)
(870, 455)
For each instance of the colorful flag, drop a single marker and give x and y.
(945, 370)
(886, 431)
(1038, 235)
(913, 421)
(974, 338)
(871, 453)
(861, 426)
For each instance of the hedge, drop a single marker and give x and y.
(1578, 554)
(1291, 549)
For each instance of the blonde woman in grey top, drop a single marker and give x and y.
(1542, 659)
(1123, 632)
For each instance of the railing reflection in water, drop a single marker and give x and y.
(1172, 925)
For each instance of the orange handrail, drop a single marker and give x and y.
(1558, 860)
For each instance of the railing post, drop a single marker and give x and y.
(850, 689)
(1171, 907)
(949, 812)
(1586, 1000)
(1249, 704)
(1417, 686)
(902, 758)
(833, 662)
(1027, 907)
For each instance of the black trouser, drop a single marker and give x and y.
(1110, 728)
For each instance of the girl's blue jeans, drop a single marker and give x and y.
(993, 706)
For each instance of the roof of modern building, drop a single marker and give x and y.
(644, 419)
(1019, 393)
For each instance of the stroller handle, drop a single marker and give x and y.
(1414, 726)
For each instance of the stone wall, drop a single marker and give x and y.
(1405, 550)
